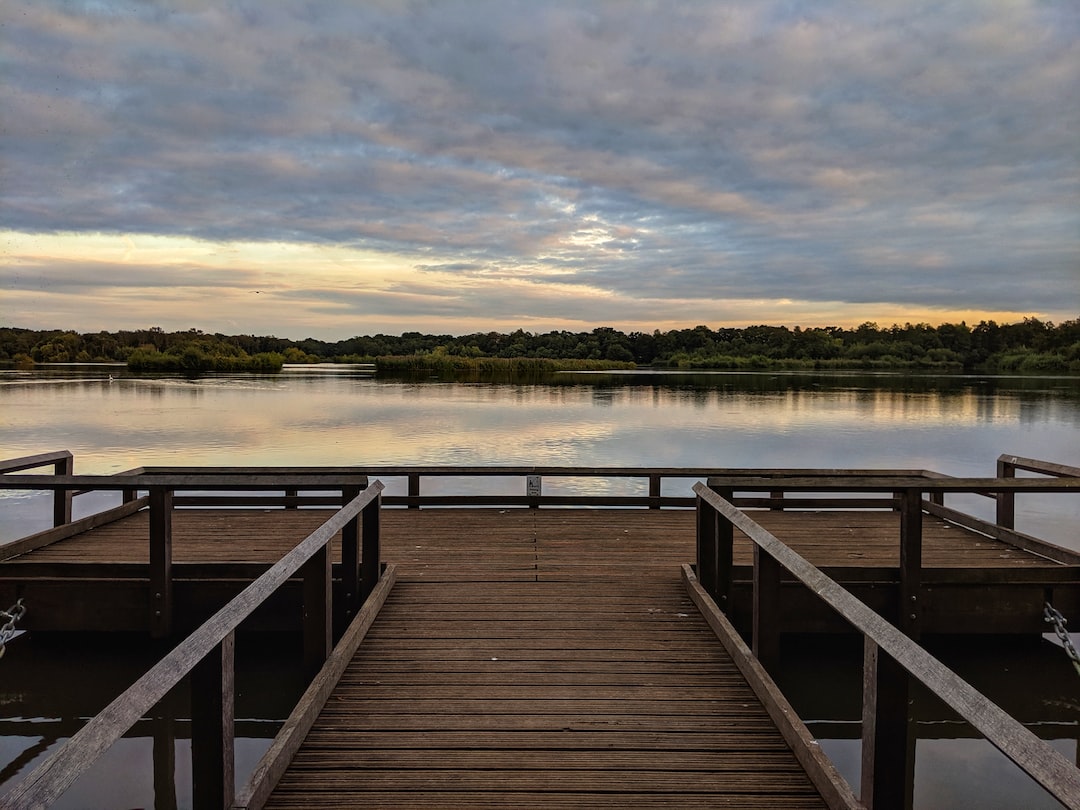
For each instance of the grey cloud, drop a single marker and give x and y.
(825, 151)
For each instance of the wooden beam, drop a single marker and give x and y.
(213, 700)
(766, 619)
(161, 590)
(62, 497)
(911, 543)
(888, 746)
(1006, 501)
(350, 565)
(318, 605)
(371, 552)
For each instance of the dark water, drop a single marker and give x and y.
(336, 416)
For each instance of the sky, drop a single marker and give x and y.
(328, 169)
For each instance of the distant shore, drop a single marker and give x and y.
(1028, 347)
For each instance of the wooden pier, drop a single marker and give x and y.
(541, 649)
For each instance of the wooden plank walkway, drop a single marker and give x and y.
(585, 692)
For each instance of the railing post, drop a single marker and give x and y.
(371, 556)
(910, 610)
(291, 498)
(318, 602)
(654, 491)
(777, 495)
(350, 564)
(533, 490)
(706, 547)
(725, 543)
(164, 753)
(213, 691)
(62, 497)
(1006, 501)
(161, 585)
(766, 619)
(888, 747)
(414, 489)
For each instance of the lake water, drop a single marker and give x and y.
(342, 416)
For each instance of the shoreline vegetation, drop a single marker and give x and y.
(1030, 346)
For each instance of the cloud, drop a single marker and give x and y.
(619, 158)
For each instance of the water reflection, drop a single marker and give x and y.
(954, 766)
(43, 703)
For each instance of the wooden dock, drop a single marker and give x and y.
(511, 655)
(97, 581)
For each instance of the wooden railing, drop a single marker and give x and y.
(1007, 466)
(534, 483)
(890, 655)
(161, 489)
(910, 495)
(208, 655)
(63, 463)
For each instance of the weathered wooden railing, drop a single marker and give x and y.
(161, 498)
(907, 494)
(890, 655)
(208, 655)
(1007, 466)
(63, 463)
(536, 482)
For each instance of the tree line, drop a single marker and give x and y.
(1029, 346)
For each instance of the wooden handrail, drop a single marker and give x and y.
(1038, 466)
(875, 483)
(1007, 465)
(1039, 760)
(50, 779)
(63, 464)
(39, 460)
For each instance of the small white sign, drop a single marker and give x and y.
(532, 486)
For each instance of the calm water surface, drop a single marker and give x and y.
(339, 416)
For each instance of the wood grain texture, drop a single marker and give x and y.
(583, 691)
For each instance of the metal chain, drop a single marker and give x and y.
(10, 618)
(1054, 617)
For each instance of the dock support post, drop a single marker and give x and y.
(715, 538)
(213, 692)
(291, 498)
(350, 565)
(161, 585)
(910, 609)
(888, 747)
(317, 606)
(725, 569)
(371, 556)
(62, 497)
(707, 518)
(766, 619)
(164, 763)
(654, 491)
(1006, 501)
(414, 490)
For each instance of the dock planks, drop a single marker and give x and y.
(531, 544)
(592, 692)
